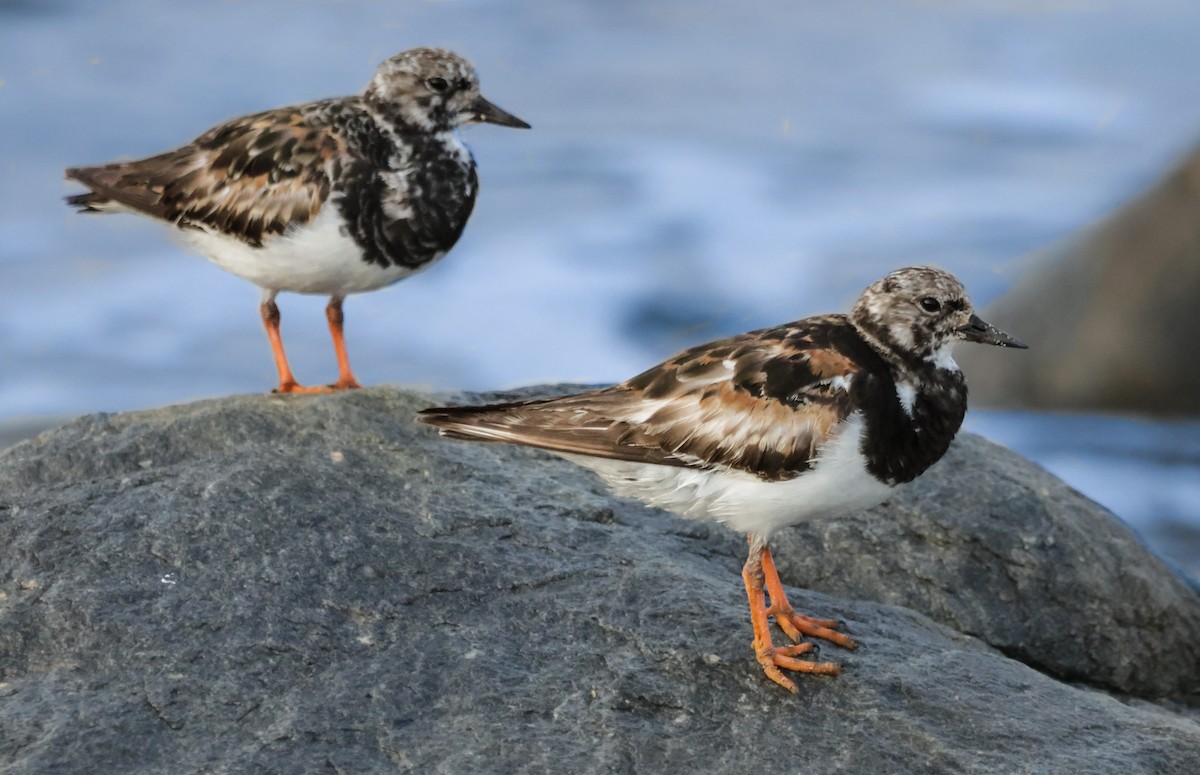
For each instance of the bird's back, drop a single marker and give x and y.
(250, 178)
(404, 198)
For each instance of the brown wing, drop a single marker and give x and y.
(761, 402)
(251, 177)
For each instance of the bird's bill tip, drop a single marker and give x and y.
(976, 330)
(486, 112)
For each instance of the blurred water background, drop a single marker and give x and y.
(696, 169)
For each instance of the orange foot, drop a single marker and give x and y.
(773, 657)
(759, 571)
(291, 387)
(794, 624)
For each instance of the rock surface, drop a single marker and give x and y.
(296, 584)
(995, 547)
(1109, 315)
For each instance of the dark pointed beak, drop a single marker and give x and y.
(977, 331)
(484, 111)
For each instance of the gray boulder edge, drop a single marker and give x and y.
(312, 584)
(1109, 313)
(996, 547)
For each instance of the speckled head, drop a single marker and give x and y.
(432, 90)
(919, 312)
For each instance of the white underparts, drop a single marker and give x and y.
(838, 483)
(319, 258)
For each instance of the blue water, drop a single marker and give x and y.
(1146, 472)
(695, 169)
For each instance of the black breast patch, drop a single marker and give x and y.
(899, 448)
(436, 188)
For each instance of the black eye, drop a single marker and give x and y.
(437, 83)
(930, 304)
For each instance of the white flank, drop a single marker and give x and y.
(838, 483)
(319, 258)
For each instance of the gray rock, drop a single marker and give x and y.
(299, 584)
(1109, 314)
(993, 546)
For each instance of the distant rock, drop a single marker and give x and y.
(1109, 315)
(317, 584)
(21, 428)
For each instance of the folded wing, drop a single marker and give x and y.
(762, 403)
(252, 177)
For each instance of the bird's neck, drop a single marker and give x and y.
(407, 118)
(904, 360)
(913, 413)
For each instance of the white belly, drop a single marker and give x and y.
(318, 258)
(838, 483)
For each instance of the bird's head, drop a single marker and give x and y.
(432, 90)
(920, 312)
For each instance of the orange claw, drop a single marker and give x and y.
(758, 571)
(789, 621)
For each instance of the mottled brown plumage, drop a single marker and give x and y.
(762, 402)
(771, 428)
(331, 197)
(252, 177)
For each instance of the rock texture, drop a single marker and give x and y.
(298, 584)
(998, 548)
(1110, 315)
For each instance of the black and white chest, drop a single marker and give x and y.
(405, 197)
(911, 414)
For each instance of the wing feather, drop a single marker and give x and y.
(252, 177)
(762, 402)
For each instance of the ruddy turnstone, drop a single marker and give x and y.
(771, 428)
(332, 197)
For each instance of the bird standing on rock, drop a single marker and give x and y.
(332, 197)
(771, 428)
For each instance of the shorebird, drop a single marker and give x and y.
(332, 197)
(771, 428)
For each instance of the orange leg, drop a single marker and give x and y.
(770, 656)
(287, 382)
(333, 313)
(789, 621)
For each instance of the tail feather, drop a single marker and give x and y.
(555, 424)
(95, 178)
(111, 190)
(91, 202)
(472, 423)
